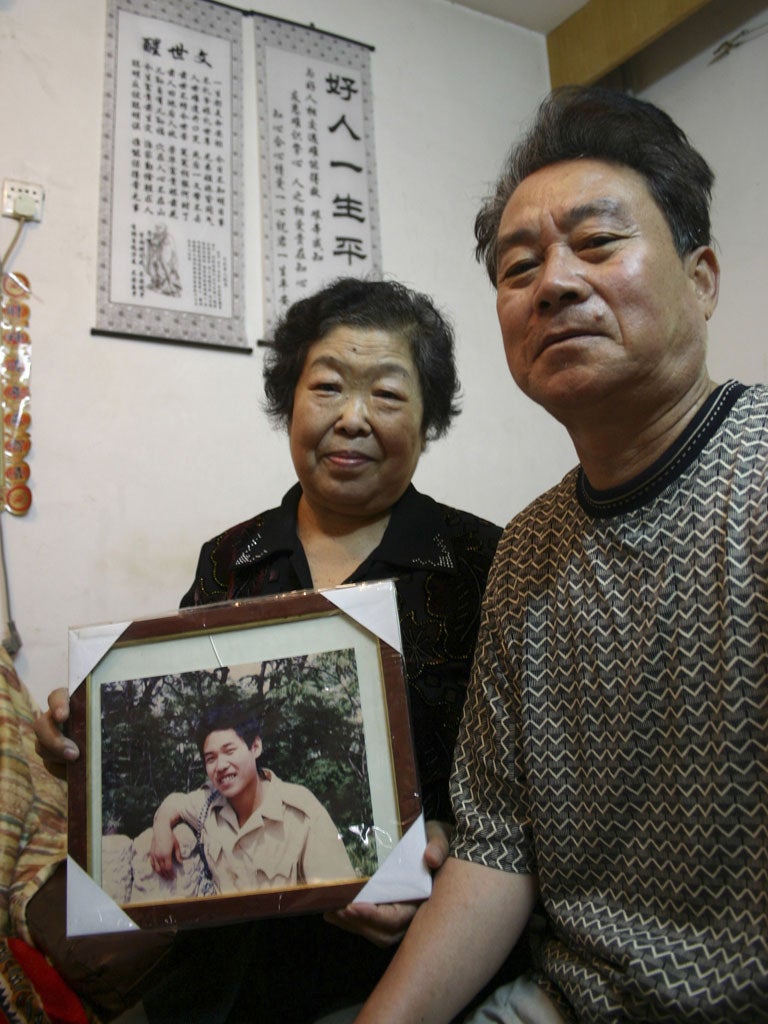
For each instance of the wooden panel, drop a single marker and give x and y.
(605, 33)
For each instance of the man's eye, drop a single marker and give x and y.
(598, 241)
(325, 385)
(518, 269)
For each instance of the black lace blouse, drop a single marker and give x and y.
(439, 558)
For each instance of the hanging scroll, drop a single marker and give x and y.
(318, 169)
(170, 241)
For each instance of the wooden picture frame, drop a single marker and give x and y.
(331, 694)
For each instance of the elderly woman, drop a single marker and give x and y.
(362, 376)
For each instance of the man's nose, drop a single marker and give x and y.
(561, 279)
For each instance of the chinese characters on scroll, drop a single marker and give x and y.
(320, 215)
(171, 216)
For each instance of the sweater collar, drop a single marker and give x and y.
(668, 467)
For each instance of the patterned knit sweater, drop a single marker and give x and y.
(615, 738)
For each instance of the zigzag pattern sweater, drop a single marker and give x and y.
(615, 739)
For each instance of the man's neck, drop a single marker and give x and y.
(614, 449)
(245, 803)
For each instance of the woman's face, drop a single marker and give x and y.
(356, 428)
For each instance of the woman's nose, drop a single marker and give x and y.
(353, 415)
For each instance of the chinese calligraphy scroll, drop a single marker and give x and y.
(170, 241)
(318, 171)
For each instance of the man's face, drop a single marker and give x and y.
(593, 300)
(229, 762)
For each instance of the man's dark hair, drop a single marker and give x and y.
(244, 721)
(370, 305)
(594, 122)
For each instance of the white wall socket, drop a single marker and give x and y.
(22, 199)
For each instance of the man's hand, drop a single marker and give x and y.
(164, 850)
(384, 924)
(52, 745)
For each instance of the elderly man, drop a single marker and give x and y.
(613, 759)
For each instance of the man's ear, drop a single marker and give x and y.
(256, 747)
(704, 272)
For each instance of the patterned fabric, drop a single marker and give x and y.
(33, 839)
(616, 734)
(439, 558)
(32, 992)
(19, 1002)
(33, 815)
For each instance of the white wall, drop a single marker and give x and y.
(141, 451)
(721, 104)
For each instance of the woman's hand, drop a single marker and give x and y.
(52, 745)
(384, 924)
(438, 841)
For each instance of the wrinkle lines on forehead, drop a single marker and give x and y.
(607, 207)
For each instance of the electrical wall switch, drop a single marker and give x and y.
(22, 199)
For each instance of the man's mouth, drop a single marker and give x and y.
(227, 778)
(566, 334)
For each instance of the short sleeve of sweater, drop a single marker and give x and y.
(488, 785)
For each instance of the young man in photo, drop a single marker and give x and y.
(255, 831)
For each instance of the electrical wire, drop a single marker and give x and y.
(12, 641)
(22, 222)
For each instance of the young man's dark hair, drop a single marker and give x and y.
(245, 722)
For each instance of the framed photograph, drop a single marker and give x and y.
(239, 760)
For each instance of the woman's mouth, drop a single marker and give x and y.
(348, 459)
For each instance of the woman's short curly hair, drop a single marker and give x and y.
(369, 305)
